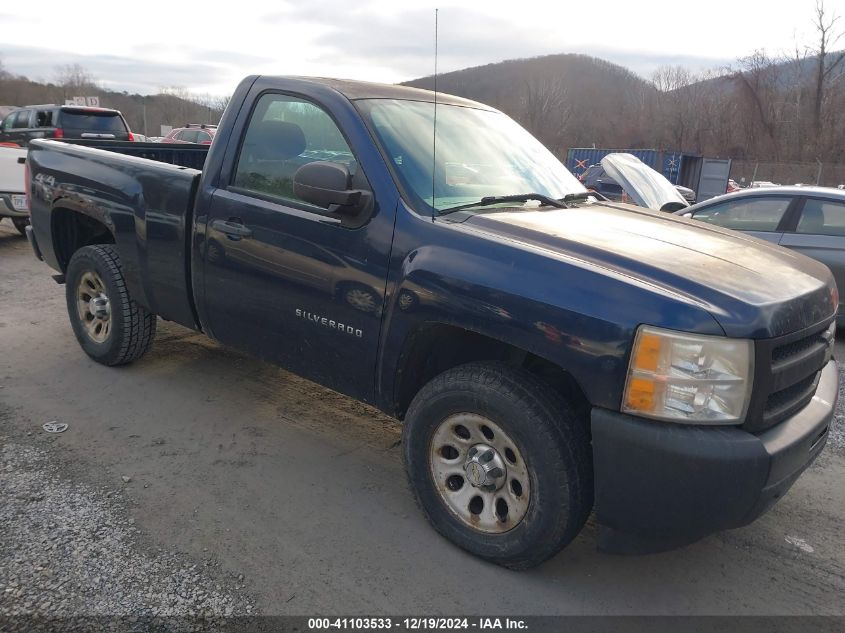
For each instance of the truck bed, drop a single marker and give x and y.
(146, 202)
(182, 154)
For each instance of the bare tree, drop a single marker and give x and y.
(679, 106)
(546, 109)
(826, 61)
(223, 102)
(74, 76)
(756, 81)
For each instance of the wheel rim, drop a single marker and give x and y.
(93, 306)
(361, 300)
(479, 473)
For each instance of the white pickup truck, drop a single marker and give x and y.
(13, 203)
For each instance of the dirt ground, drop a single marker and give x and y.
(297, 495)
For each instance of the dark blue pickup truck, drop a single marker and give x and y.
(547, 353)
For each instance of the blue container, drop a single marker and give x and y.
(681, 169)
(579, 158)
(671, 166)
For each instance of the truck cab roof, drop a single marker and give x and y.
(355, 90)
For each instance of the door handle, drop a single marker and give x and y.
(233, 228)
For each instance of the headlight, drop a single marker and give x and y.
(688, 378)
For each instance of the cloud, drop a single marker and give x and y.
(132, 74)
(404, 41)
(386, 42)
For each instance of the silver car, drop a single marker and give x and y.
(810, 220)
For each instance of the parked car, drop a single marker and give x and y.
(13, 201)
(192, 133)
(545, 351)
(809, 220)
(73, 122)
(597, 179)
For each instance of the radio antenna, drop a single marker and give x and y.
(434, 127)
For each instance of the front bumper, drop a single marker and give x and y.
(7, 209)
(661, 485)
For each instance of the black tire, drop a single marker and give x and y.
(548, 434)
(131, 329)
(21, 224)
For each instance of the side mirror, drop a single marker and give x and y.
(671, 207)
(327, 184)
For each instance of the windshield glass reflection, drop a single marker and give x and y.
(479, 153)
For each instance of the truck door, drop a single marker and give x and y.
(286, 280)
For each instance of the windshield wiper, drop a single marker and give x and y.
(520, 197)
(583, 195)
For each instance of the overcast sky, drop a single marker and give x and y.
(209, 46)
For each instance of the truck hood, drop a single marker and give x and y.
(751, 288)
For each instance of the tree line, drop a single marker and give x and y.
(778, 108)
(781, 108)
(173, 105)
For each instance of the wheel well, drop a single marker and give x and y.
(435, 348)
(73, 230)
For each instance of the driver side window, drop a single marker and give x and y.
(283, 134)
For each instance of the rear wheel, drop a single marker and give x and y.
(111, 328)
(499, 463)
(21, 224)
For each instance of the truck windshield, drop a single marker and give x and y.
(480, 154)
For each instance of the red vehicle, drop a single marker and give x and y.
(200, 133)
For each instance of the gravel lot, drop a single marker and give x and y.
(252, 491)
(72, 549)
(837, 429)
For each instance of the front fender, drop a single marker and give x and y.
(576, 315)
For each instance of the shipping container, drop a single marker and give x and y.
(678, 168)
(578, 159)
(670, 164)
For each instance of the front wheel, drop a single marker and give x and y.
(111, 328)
(499, 463)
